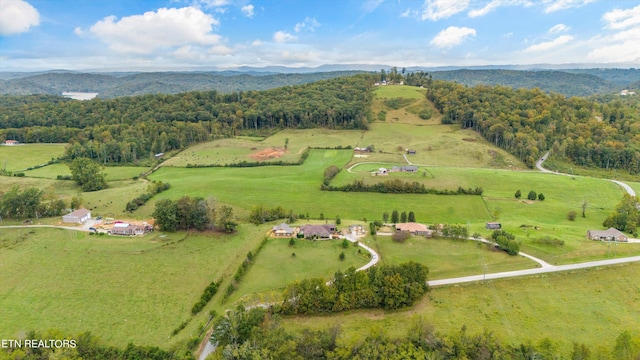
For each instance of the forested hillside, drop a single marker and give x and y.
(528, 122)
(130, 128)
(113, 85)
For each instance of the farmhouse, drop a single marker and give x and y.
(324, 231)
(11, 142)
(493, 226)
(367, 149)
(610, 234)
(283, 230)
(414, 228)
(127, 229)
(406, 168)
(78, 217)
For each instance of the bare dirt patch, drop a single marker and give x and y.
(469, 139)
(268, 154)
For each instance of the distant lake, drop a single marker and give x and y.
(79, 95)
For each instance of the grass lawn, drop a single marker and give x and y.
(447, 258)
(587, 306)
(112, 172)
(297, 188)
(635, 186)
(21, 157)
(228, 151)
(275, 267)
(120, 288)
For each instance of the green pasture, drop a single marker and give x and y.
(122, 289)
(297, 188)
(239, 149)
(447, 258)
(21, 157)
(399, 91)
(635, 186)
(275, 267)
(112, 173)
(568, 168)
(412, 102)
(435, 145)
(591, 306)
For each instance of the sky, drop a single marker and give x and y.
(186, 34)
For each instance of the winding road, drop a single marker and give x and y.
(539, 166)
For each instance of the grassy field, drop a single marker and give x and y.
(587, 306)
(112, 172)
(21, 157)
(121, 289)
(297, 188)
(275, 267)
(447, 258)
(412, 101)
(228, 151)
(435, 145)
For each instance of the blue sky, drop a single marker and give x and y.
(180, 34)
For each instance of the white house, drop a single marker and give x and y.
(79, 216)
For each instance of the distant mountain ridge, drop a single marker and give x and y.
(570, 82)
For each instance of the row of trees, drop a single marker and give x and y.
(399, 217)
(385, 286)
(257, 334)
(189, 213)
(506, 241)
(531, 196)
(397, 186)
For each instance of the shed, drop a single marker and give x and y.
(78, 217)
(493, 226)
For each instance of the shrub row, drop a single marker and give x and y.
(242, 270)
(154, 188)
(397, 186)
(206, 296)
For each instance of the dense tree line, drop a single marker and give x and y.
(87, 174)
(528, 122)
(131, 128)
(386, 286)
(257, 334)
(28, 204)
(192, 213)
(506, 241)
(397, 186)
(153, 189)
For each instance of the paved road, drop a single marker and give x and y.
(539, 166)
(374, 255)
(535, 271)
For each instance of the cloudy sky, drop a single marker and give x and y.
(178, 34)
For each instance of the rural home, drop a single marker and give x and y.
(78, 217)
(324, 231)
(11, 142)
(283, 230)
(414, 228)
(406, 168)
(411, 152)
(381, 172)
(356, 229)
(493, 226)
(363, 149)
(610, 234)
(127, 229)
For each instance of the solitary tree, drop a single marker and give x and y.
(87, 174)
(584, 208)
(518, 194)
(385, 217)
(540, 197)
(412, 216)
(403, 217)
(571, 215)
(532, 195)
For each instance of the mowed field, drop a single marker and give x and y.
(122, 289)
(21, 157)
(412, 100)
(587, 306)
(237, 150)
(297, 188)
(111, 172)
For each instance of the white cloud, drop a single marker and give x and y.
(442, 9)
(283, 37)
(247, 10)
(619, 47)
(558, 29)
(622, 19)
(494, 4)
(548, 45)
(17, 16)
(452, 36)
(221, 50)
(556, 5)
(256, 42)
(309, 24)
(157, 29)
